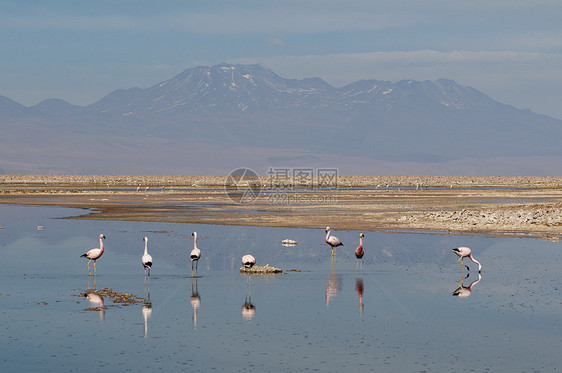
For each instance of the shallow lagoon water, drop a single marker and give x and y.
(397, 314)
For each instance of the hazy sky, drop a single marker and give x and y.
(82, 50)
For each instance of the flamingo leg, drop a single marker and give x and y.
(95, 268)
(90, 273)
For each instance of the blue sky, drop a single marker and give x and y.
(82, 50)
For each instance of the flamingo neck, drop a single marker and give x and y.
(360, 243)
(145, 247)
(475, 261)
(327, 235)
(101, 244)
(195, 241)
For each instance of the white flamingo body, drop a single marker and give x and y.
(146, 259)
(248, 261)
(465, 252)
(333, 241)
(94, 254)
(195, 254)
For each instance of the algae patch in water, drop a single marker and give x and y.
(100, 297)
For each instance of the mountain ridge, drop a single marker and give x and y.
(251, 107)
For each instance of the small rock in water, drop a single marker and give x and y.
(266, 269)
(288, 242)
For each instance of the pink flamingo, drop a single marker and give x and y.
(94, 255)
(248, 261)
(464, 252)
(333, 241)
(195, 254)
(359, 252)
(146, 259)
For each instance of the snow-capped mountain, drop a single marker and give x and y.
(251, 107)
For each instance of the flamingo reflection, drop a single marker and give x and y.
(465, 291)
(248, 309)
(89, 278)
(359, 286)
(146, 305)
(333, 283)
(195, 301)
(97, 302)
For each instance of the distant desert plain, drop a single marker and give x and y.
(493, 206)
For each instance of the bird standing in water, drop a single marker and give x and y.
(359, 252)
(464, 252)
(146, 259)
(333, 241)
(195, 254)
(94, 255)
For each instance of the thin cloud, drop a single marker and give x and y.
(274, 42)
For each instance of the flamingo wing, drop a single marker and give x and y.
(334, 241)
(147, 260)
(93, 254)
(195, 254)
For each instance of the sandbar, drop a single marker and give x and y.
(493, 206)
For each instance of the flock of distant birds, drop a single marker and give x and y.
(248, 260)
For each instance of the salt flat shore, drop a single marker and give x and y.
(514, 206)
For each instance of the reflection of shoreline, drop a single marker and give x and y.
(415, 209)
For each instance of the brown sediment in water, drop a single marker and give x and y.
(513, 206)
